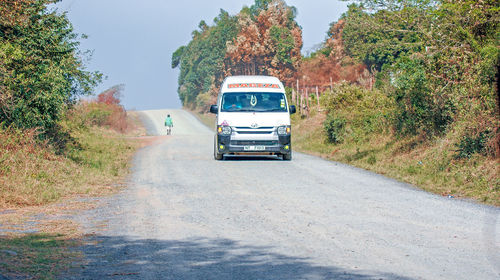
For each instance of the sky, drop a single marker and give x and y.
(133, 40)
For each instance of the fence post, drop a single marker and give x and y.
(317, 98)
(307, 102)
(298, 92)
(300, 103)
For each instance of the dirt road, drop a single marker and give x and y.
(186, 216)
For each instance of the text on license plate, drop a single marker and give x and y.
(254, 148)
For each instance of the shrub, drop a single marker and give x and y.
(334, 128)
(360, 111)
(470, 145)
(419, 110)
(98, 114)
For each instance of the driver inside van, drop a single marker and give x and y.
(230, 102)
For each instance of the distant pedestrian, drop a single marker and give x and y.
(169, 123)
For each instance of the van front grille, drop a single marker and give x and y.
(254, 143)
(254, 132)
(247, 127)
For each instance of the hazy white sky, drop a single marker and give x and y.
(133, 40)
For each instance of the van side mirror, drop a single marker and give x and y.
(214, 109)
(293, 110)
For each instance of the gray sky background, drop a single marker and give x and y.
(133, 40)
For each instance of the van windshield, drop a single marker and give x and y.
(254, 102)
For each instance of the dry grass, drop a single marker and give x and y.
(94, 162)
(28, 174)
(429, 165)
(33, 174)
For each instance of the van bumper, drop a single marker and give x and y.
(228, 146)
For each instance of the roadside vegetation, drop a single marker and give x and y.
(408, 88)
(55, 146)
(90, 159)
(361, 134)
(35, 174)
(429, 115)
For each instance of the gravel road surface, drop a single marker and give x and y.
(187, 216)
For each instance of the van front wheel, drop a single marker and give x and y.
(288, 156)
(217, 156)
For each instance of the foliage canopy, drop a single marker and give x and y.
(262, 39)
(439, 60)
(41, 68)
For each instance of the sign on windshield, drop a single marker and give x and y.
(254, 102)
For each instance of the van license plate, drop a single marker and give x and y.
(254, 148)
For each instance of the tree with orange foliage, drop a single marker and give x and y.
(268, 43)
(331, 64)
(17, 12)
(111, 95)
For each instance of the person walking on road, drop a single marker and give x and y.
(169, 123)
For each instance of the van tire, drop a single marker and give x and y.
(287, 157)
(217, 156)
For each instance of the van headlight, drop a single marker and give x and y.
(224, 130)
(284, 130)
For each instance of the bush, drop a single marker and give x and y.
(470, 145)
(98, 114)
(334, 128)
(105, 110)
(419, 110)
(360, 111)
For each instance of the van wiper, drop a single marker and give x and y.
(276, 110)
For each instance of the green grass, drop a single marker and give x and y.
(36, 256)
(429, 165)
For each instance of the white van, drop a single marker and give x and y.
(253, 117)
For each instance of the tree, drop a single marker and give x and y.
(111, 96)
(378, 32)
(330, 64)
(268, 43)
(41, 71)
(201, 61)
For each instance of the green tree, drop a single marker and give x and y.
(41, 69)
(378, 32)
(201, 61)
